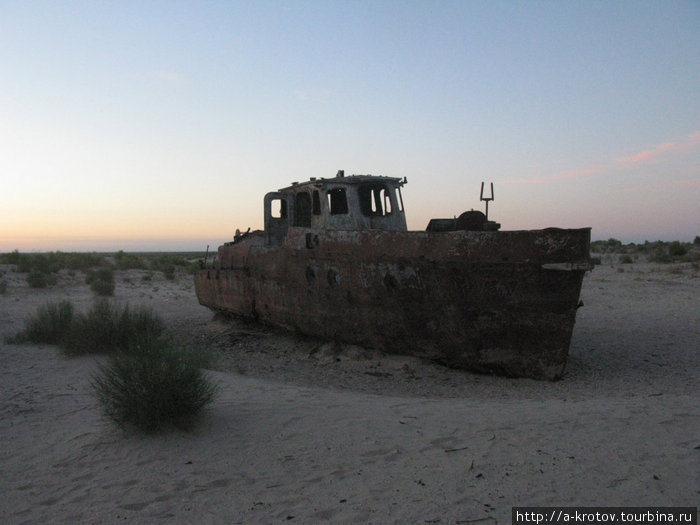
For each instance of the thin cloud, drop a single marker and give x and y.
(687, 183)
(656, 153)
(659, 151)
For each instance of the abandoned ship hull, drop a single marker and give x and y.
(494, 302)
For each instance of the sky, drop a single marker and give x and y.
(160, 125)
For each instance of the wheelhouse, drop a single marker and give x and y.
(356, 202)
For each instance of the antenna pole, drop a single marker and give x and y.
(486, 199)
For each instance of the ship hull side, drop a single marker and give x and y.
(494, 302)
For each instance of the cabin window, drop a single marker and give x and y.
(375, 199)
(278, 209)
(387, 201)
(337, 201)
(316, 203)
(302, 209)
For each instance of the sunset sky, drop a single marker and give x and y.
(160, 125)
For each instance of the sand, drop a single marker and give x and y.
(307, 432)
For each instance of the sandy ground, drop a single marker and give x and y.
(306, 432)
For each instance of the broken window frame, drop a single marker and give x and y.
(278, 208)
(316, 203)
(302, 209)
(375, 199)
(337, 201)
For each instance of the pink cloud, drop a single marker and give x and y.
(651, 154)
(622, 164)
(687, 183)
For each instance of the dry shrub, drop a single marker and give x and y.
(148, 382)
(51, 324)
(160, 386)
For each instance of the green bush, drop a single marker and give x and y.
(169, 272)
(148, 382)
(626, 259)
(101, 281)
(127, 261)
(52, 262)
(106, 328)
(42, 263)
(161, 385)
(609, 246)
(24, 263)
(676, 249)
(102, 288)
(10, 258)
(660, 255)
(39, 279)
(99, 274)
(168, 264)
(51, 324)
(80, 261)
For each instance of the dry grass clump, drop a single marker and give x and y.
(149, 382)
(169, 263)
(42, 268)
(101, 281)
(657, 251)
(160, 386)
(39, 279)
(52, 262)
(128, 261)
(106, 328)
(51, 324)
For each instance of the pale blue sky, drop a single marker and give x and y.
(160, 125)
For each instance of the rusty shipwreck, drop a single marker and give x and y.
(336, 261)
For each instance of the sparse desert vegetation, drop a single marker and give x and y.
(657, 251)
(154, 386)
(101, 280)
(42, 269)
(108, 328)
(282, 399)
(50, 324)
(149, 381)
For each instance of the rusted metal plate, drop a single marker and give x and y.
(487, 301)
